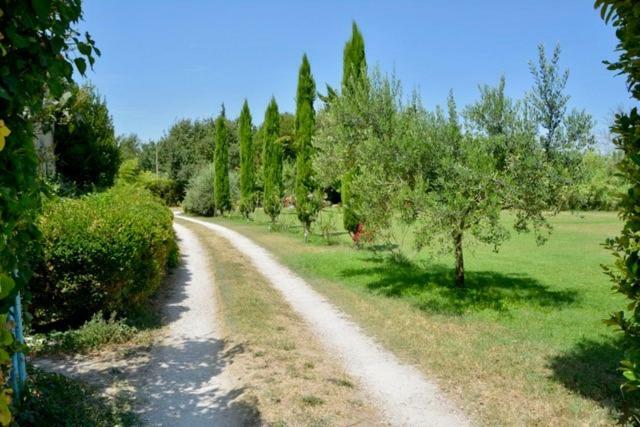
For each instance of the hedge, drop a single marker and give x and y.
(107, 251)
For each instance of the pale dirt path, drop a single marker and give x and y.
(404, 395)
(182, 380)
(186, 384)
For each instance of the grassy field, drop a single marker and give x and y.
(286, 378)
(523, 344)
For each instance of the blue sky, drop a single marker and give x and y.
(166, 60)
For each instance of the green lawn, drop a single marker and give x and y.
(523, 344)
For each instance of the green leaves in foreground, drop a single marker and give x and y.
(625, 273)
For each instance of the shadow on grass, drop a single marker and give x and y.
(432, 289)
(590, 369)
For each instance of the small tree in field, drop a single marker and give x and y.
(308, 201)
(272, 162)
(473, 186)
(625, 274)
(222, 194)
(247, 183)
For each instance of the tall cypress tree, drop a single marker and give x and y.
(354, 65)
(307, 201)
(221, 192)
(354, 77)
(247, 184)
(272, 162)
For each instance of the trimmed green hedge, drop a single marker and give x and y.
(107, 251)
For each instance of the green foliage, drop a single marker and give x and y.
(347, 119)
(247, 162)
(308, 199)
(625, 274)
(55, 400)
(129, 146)
(221, 191)
(565, 135)
(598, 186)
(548, 99)
(106, 251)
(350, 220)
(39, 48)
(424, 168)
(162, 187)
(129, 172)
(186, 149)
(199, 198)
(272, 162)
(354, 62)
(87, 155)
(95, 333)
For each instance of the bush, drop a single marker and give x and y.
(106, 251)
(55, 400)
(162, 187)
(199, 197)
(200, 200)
(93, 334)
(599, 185)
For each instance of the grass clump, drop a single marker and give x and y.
(55, 400)
(95, 333)
(312, 400)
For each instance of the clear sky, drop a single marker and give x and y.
(172, 59)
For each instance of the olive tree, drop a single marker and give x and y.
(448, 181)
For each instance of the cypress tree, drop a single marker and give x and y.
(354, 74)
(247, 184)
(221, 192)
(354, 65)
(272, 162)
(307, 203)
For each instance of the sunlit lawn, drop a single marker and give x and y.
(523, 344)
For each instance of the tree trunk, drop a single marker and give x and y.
(457, 238)
(306, 232)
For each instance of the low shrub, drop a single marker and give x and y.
(199, 199)
(55, 400)
(162, 187)
(94, 334)
(107, 251)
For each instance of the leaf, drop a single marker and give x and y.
(84, 48)
(81, 64)
(42, 8)
(630, 375)
(4, 132)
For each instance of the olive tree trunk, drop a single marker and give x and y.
(457, 239)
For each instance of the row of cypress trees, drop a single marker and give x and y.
(308, 197)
